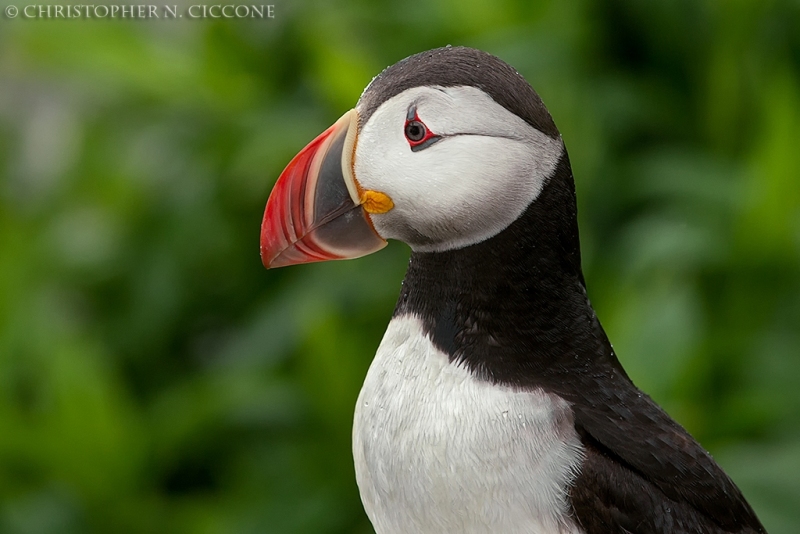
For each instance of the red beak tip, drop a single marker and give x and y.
(292, 233)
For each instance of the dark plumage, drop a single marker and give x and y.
(452, 66)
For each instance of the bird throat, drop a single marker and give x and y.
(513, 308)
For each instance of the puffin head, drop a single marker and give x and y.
(444, 149)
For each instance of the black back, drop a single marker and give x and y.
(514, 310)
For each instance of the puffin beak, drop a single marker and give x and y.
(317, 211)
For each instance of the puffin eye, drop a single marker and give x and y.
(415, 131)
(417, 134)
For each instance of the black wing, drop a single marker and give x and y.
(643, 472)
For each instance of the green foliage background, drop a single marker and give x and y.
(154, 378)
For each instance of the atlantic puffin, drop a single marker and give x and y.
(495, 402)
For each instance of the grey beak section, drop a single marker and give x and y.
(313, 213)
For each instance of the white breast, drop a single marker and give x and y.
(438, 451)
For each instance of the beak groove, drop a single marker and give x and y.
(313, 213)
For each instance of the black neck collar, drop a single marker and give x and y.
(513, 308)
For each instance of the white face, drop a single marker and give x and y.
(478, 178)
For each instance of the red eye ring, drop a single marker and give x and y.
(417, 133)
